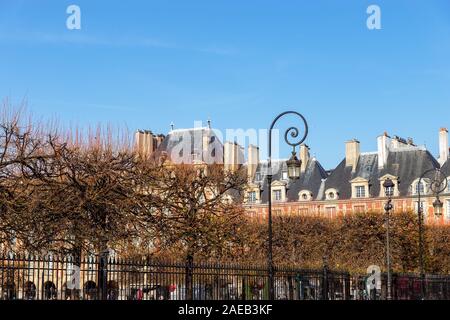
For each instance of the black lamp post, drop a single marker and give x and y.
(294, 165)
(438, 185)
(389, 192)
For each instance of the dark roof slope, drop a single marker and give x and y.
(187, 145)
(367, 168)
(408, 166)
(310, 180)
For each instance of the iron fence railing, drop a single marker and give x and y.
(100, 278)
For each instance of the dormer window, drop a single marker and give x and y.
(279, 191)
(253, 194)
(305, 195)
(252, 197)
(360, 188)
(258, 176)
(331, 194)
(420, 187)
(360, 191)
(395, 191)
(284, 175)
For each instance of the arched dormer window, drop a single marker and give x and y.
(422, 186)
(395, 180)
(305, 195)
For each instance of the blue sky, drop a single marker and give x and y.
(145, 64)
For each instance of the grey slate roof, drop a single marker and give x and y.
(408, 165)
(367, 168)
(187, 145)
(310, 180)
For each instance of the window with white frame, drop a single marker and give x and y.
(252, 197)
(284, 175)
(420, 187)
(422, 206)
(277, 195)
(360, 191)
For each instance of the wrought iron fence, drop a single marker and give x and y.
(93, 278)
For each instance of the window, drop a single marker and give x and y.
(331, 195)
(360, 191)
(305, 195)
(252, 197)
(258, 176)
(421, 187)
(447, 211)
(422, 206)
(284, 175)
(277, 195)
(389, 192)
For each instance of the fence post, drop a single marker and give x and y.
(189, 277)
(325, 279)
(244, 286)
(103, 276)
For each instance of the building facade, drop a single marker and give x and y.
(355, 185)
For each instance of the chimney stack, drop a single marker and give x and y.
(443, 146)
(304, 156)
(253, 161)
(147, 142)
(233, 156)
(144, 142)
(352, 152)
(383, 142)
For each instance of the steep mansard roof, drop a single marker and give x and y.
(310, 180)
(181, 145)
(407, 165)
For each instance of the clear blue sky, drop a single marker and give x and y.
(148, 63)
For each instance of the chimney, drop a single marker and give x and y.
(443, 146)
(383, 142)
(253, 161)
(352, 153)
(229, 156)
(304, 156)
(145, 143)
(233, 155)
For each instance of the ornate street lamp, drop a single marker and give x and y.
(294, 165)
(438, 205)
(389, 192)
(438, 185)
